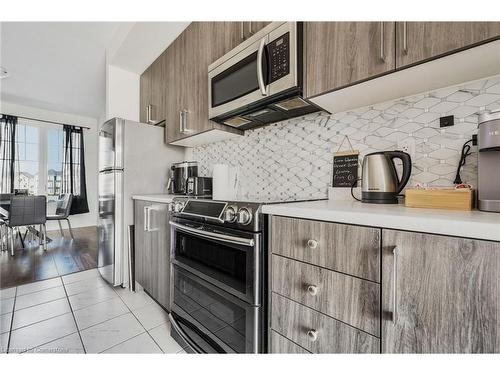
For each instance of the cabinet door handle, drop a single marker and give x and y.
(312, 334)
(312, 244)
(184, 126)
(312, 290)
(395, 285)
(405, 38)
(181, 121)
(149, 120)
(382, 46)
(250, 28)
(151, 210)
(242, 30)
(146, 219)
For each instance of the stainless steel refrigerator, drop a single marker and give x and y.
(133, 159)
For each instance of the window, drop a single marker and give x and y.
(26, 168)
(39, 158)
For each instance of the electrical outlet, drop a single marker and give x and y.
(446, 121)
(407, 145)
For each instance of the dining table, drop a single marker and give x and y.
(4, 214)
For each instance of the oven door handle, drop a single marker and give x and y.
(184, 336)
(215, 236)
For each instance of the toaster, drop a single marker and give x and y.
(199, 186)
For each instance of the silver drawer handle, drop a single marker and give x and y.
(395, 285)
(312, 244)
(312, 334)
(312, 290)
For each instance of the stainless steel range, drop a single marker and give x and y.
(218, 276)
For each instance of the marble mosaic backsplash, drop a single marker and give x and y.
(293, 159)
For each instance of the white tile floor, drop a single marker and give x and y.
(80, 313)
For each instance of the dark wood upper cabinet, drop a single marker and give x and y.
(439, 294)
(238, 31)
(187, 61)
(172, 95)
(339, 54)
(336, 55)
(152, 92)
(420, 41)
(226, 36)
(145, 94)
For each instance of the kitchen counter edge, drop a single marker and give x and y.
(469, 224)
(158, 198)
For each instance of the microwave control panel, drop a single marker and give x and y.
(279, 55)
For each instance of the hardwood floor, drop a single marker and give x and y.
(63, 256)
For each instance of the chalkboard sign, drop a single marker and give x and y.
(345, 169)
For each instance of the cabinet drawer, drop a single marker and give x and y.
(346, 298)
(295, 322)
(281, 345)
(350, 249)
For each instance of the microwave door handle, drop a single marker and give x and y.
(260, 74)
(214, 236)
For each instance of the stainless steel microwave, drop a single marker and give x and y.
(260, 81)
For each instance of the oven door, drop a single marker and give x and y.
(228, 259)
(209, 320)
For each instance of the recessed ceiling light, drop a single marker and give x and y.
(3, 72)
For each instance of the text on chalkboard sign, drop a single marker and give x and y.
(345, 169)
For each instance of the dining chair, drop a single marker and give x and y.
(62, 212)
(4, 200)
(3, 234)
(27, 211)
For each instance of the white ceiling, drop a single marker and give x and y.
(58, 66)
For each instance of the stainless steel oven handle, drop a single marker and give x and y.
(215, 236)
(182, 334)
(260, 76)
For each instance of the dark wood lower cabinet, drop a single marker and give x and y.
(281, 345)
(343, 297)
(152, 250)
(439, 294)
(350, 249)
(316, 332)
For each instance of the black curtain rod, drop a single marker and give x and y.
(48, 122)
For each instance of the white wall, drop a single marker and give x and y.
(91, 151)
(122, 93)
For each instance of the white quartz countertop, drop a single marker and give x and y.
(158, 198)
(471, 224)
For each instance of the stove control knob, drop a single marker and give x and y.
(230, 215)
(178, 206)
(244, 216)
